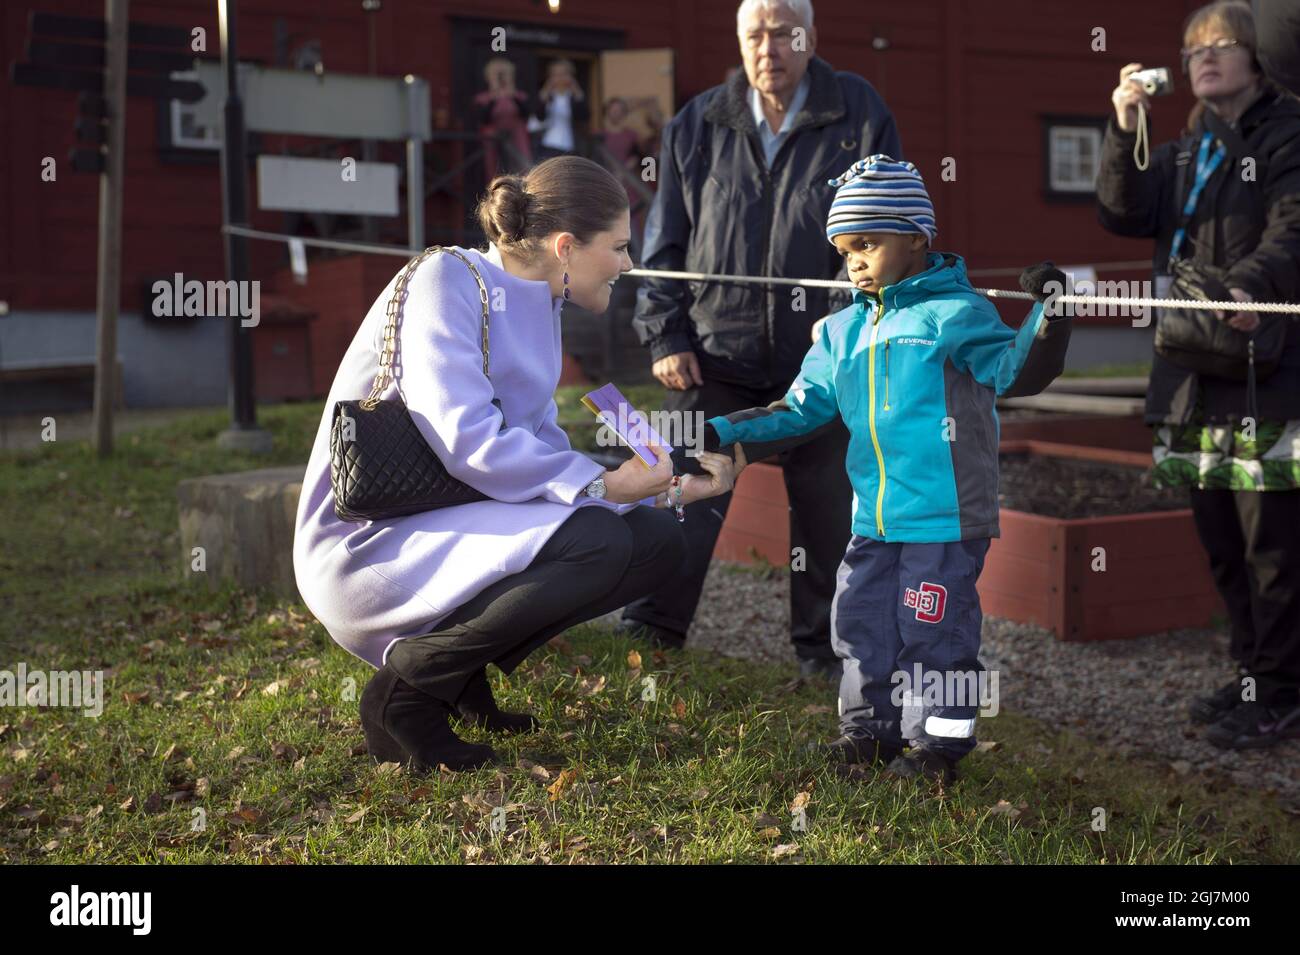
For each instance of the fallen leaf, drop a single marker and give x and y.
(1004, 808)
(590, 686)
(556, 790)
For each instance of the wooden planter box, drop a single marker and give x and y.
(1094, 431)
(1040, 570)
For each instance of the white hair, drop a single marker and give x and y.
(803, 9)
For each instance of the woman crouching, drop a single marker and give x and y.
(432, 598)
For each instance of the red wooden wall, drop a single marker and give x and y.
(965, 78)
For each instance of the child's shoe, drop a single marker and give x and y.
(1253, 725)
(919, 762)
(862, 749)
(1213, 707)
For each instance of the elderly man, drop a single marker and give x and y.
(743, 190)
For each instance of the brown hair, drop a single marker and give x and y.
(562, 194)
(1232, 18)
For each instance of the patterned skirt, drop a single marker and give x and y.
(1224, 457)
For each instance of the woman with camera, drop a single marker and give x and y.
(1222, 203)
(431, 598)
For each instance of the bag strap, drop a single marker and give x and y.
(1230, 138)
(386, 355)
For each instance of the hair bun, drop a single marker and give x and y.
(504, 217)
(562, 194)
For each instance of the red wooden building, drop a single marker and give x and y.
(1012, 91)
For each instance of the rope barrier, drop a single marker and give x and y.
(994, 293)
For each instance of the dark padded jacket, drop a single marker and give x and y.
(1251, 228)
(719, 209)
(1277, 27)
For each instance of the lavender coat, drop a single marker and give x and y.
(376, 582)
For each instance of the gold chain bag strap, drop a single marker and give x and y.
(380, 464)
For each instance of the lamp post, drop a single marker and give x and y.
(243, 433)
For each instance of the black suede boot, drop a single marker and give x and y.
(476, 705)
(403, 725)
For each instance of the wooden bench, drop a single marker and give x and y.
(80, 371)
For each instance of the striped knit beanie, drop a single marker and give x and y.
(880, 194)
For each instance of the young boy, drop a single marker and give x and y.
(912, 367)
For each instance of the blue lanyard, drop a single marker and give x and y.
(1204, 170)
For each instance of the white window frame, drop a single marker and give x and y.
(1066, 135)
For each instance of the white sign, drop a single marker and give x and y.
(293, 184)
(341, 105)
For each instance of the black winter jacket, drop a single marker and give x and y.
(719, 209)
(1251, 228)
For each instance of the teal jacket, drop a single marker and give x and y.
(913, 373)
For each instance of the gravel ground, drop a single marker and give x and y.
(1129, 694)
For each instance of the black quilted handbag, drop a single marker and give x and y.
(380, 464)
(1200, 341)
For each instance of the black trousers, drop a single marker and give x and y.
(594, 563)
(821, 515)
(1253, 541)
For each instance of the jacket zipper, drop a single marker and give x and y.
(886, 408)
(769, 297)
(871, 415)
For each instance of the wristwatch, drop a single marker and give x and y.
(596, 489)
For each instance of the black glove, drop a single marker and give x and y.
(711, 442)
(1035, 280)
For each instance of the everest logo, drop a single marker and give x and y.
(929, 601)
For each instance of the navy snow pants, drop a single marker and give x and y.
(906, 622)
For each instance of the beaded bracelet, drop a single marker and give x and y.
(677, 488)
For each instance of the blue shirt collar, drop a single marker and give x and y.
(796, 104)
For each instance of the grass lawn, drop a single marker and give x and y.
(230, 730)
(1138, 369)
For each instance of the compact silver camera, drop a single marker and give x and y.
(1154, 82)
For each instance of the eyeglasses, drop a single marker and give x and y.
(1220, 47)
